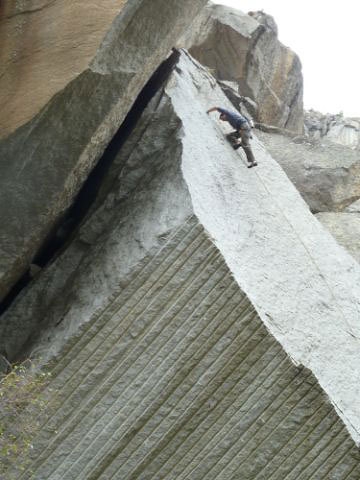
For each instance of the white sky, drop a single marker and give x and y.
(324, 33)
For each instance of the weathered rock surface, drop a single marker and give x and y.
(336, 128)
(326, 174)
(44, 163)
(245, 49)
(353, 207)
(146, 185)
(45, 45)
(178, 376)
(325, 168)
(162, 366)
(182, 378)
(345, 227)
(292, 270)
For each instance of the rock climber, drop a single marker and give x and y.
(242, 130)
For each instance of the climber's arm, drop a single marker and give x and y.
(212, 109)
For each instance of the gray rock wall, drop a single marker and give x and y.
(152, 327)
(335, 128)
(177, 377)
(324, 166)
(245, 49)
(201, 324)
(44, 163)
(309, 299)
(326, 174)
(145, 186)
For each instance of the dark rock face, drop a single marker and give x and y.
(44, 163)
(245, 49)
(145, 184)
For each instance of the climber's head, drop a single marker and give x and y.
(223, 117)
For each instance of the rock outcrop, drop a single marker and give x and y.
(245, 50)
(152, 315)
(326, 174)
(335, 128)
(324, 166)
(198, 320)
(45, 162)
(325, 169)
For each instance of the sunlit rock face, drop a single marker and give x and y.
(45, 45)
(336, 128)
(245, 49)
(44, 163)
(347, 133)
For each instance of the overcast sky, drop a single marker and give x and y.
(324, 35)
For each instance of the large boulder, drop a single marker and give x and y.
(152, 326)
(326, 174)
(245, 49)
(44, 163)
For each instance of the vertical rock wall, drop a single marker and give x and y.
(245, 50)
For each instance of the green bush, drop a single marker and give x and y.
(22, 405)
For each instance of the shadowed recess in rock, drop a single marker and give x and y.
(63, 232)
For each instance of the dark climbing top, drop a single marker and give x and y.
(235, 119)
